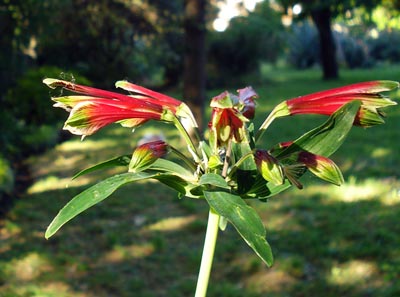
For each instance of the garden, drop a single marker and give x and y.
(146, 240)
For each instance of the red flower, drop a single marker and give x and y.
(96, 108)
(327, 102)
(229, 114)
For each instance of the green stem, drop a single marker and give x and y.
(187, 138)
(211, 238)
(208, 254)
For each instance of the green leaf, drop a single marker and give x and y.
(92, 196)
(182, 186)
(327, 138)
(167, 166)
(119, 161)
(245, 219)
(214, 180)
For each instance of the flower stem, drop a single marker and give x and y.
(208, 254)
(211, 238)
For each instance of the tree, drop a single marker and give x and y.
(322, 12)
(195, 57)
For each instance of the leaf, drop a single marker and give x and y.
(327, 138)
(167, 166)
(182, 186)
(92, 196)
(213, 179)
(119, 161)
(245, 219)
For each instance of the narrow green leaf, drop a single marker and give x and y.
(245, 219)
(92, 196)
(327, 138)
(119, 161)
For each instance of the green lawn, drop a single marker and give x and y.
(144, 241)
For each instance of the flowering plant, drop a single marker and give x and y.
(229, 167)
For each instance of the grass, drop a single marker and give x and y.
(144, 241)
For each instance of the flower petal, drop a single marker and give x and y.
(89, 116)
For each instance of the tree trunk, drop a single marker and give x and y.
(195, 58)
(322, 20)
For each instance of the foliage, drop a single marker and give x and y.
(6, 177)
(355, 51)
(25, 100)
(131, 39)
(246, 42)
(303, 46)
(386, 47)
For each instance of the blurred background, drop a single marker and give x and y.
(144, 241)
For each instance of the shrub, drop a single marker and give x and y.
(303, 46)
(247, 41)
(386, 47)
(6, 177)
(28, 122)
(354, 51)
(28, 100)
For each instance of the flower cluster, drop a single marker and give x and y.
(231, 166)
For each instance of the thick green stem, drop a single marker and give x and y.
(208, 254)
(211, 238)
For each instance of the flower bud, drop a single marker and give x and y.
(146, 154)
(269, 167)
(321, 167)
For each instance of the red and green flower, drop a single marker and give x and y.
(96, 108)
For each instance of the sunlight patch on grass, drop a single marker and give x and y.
(171, 224)
(134, 251)
(381, 152)
(87, 144)
(51, 183)
(384, 190)
(354, 272)
(28, 268)
(387, 191)
(269, 280)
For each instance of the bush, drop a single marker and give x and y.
(386, 47)
(6, 177)
(303, 45)
(29, 100)
(29, 123)
(247, 41)
(355, 51)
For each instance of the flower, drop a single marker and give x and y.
(96, 108)
(327, 102)
(146, 154)
(229, 115)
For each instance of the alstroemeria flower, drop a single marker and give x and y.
(146, 154)
(327, 102)
(96, 108)
(229, 114)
